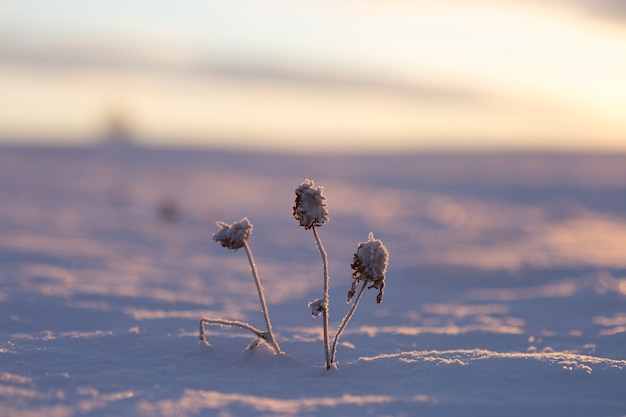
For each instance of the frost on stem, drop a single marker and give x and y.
(310, 209)
(233, 236)
(234, 323)
(370, 265)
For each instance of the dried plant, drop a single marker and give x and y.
(311, 211)
(370, 266)
(235, 236)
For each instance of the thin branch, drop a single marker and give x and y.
(255, 273)
(345, 320)
(325, 313)
(233, 323)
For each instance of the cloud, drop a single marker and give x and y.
(605, 9)
(89, 53)
(141, 58)
(333, 81)
(614, 9)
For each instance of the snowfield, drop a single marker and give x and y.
(505, 293)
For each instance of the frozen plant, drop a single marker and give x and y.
(235, 236)
(311, 211)
(370, 265)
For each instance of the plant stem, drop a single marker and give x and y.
(259, 288)
(325, 313)
(345, 320)
(224, 322)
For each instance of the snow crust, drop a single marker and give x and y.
(506, 291)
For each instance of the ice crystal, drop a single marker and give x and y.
(233, 236)
(370, 264)
(310, 209)
(318, 306)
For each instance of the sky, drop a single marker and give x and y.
(317, 76)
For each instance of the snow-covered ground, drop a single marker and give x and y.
(505, 293)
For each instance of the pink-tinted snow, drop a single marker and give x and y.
(505, 292)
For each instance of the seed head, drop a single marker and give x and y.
(310, 209)
(233, 236)
(370, 264)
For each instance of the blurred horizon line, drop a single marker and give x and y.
(99, 142)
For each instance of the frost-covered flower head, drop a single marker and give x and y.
(233, 236)
(370, 264)
(310, 209)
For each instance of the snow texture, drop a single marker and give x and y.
(507, 291)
